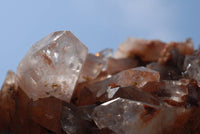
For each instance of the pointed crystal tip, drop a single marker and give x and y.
(52, 66)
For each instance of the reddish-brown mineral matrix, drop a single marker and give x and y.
(184, 48)
(117, 65)
(19, 114)
(147, 50)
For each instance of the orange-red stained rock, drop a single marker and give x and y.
(20, 115)
(7, 100)
(185, 48)
(47, 113)
(146, 50)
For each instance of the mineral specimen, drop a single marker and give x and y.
(148, 87)
(52, 66)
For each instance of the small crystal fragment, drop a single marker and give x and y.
(91, 69)
(117, 65)
(52, 66)
(94, 65)
(104, 55)
(77, 120)
(10, 81)
(192, 66)
(166, 72)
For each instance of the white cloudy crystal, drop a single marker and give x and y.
(52, 66)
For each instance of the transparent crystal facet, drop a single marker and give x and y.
(125, 116)
(132, 77)
(192, 66)
(94, 65)
(52, 66)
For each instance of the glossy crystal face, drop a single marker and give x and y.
(52, 66)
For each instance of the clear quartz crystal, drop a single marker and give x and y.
(125, 116)
(192, 66)
(176, 89)
(52, 66)
(137, 77)
(91, 69)
(95, 64)
(104, 55)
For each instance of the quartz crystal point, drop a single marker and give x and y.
(125, 116)
(7, 103)
(138, 77)
(130, 93)
(192, 66)
(10, 82)
(104, 55)
(168, 90)
(94, 65)
(78, 120)
(52, 66)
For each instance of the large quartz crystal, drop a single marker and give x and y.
(125, 116)
(52, 66)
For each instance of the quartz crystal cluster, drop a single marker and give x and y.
(145, 87)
